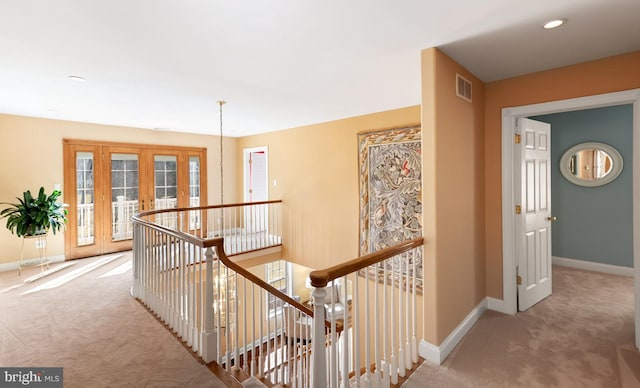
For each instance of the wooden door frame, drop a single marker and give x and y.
(70, 197)
(511, 160)
(145, 151)
(116, 246)
(245, 161)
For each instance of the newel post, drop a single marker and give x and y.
(208, 334)
(318, 355)
(138, 253)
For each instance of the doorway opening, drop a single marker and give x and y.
(256, 188)
(511, 161)
(256, 174)
(107, 183)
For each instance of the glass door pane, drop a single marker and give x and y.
(105, 184)
(124, 195)
(194, 192)
(85, 201)
(165, 188)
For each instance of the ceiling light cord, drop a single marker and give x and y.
(220, 103)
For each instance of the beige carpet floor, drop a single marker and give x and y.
(581, 336)
(94, 329)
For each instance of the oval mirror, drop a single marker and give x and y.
(591, 164)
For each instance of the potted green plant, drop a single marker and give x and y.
(32, 216)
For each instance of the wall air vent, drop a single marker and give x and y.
(463, 87)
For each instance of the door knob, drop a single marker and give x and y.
(552, 218)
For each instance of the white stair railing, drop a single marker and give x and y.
(173, 277)
(371, 308)
(275, 346)
(361, 331)
(178, 275)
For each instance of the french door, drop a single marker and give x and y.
(106, 183)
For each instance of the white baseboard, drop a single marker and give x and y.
(591, 266)
(437, 354)
(429, 352)
(496, 305)
(12, 266)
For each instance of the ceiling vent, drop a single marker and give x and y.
(463, 87)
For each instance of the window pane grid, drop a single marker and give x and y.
(166, 189)
(194, 191)
(85, 200)
(277, 275)
(124, 194)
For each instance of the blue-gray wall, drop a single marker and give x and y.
(594, 223)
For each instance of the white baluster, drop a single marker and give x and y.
(164, 306)
(153, 272)
(392, 318)
(356, 330)
(345, 338)
(137, 240)
(236, 236)
(261, 359)
(367, 332)
(401, 318)
(253, 331)
(218, 310)
(386, 381)
(407, 332)
(227, 334)
(208, 335)
(180, 290)
(414, 341)
(318, 355)
(333, 349)
(268, 358)
(171, 292)
(245, 322)
(282, 352)
(235, 324)
(191, 281)
(376, 328)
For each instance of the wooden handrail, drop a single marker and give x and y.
(222, 256)
(180, 209)
(200, 242)
(218, 242)
(321, 278)
(175, 233)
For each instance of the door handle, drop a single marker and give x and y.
(142, 205)
(552, 218)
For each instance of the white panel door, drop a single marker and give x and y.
(534, 251)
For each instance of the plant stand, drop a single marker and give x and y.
(43, 259)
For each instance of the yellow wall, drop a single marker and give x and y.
(453, 195)
(316, 169)
(32, 157)
(596, 77)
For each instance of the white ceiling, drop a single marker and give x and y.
(279, 63)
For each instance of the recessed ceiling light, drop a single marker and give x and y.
(554, 24)
(77, 78)
(52, 110)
